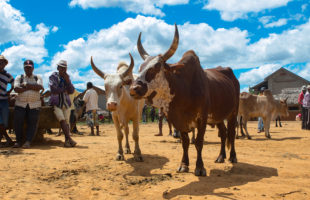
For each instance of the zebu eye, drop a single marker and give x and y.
(157, 66)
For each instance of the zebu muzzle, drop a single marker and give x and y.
(138, 89)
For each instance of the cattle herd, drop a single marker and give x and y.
(190, 97)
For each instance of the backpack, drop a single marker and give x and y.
(22, 78)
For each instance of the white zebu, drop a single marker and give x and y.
(123, 107)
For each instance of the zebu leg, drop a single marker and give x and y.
(231, 132)
(135, 135)
(266, 122)
(185, 144)
(119, 155)
(170, 128)
(200, 170)
(127, 147)
(223, 133)
(245, 122)
(241, 127)
(193, 136)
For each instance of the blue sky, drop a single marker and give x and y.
(255, 38)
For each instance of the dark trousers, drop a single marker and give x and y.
(304, 117)
(31, 116)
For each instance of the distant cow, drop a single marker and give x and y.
(264, 106)
(278, 119)
(190, 97)
(124, 107)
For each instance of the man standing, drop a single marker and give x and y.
(60, 86)
(306, 106)
(91, 100)
(27, 105)
(5, 78)
(303, 110)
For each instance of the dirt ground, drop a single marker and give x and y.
(277, 168)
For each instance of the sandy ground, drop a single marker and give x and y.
(278, 168)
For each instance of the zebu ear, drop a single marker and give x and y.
(173, 67)
(127, 81)
(285, 100)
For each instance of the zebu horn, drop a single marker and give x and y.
(129, 69)
(141, 50)
(173, 46)
(96, 70)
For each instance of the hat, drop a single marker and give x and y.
(62, 63)
(3, 58)
(28, 63)
(303, 87)
(308, 87)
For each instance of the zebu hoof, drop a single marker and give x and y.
(120, 157)
(268, 136)
(233, 160)
(138, 158)
(220, 159)
(183, 169)
(200, 172)
(127, 151)
(249, 137)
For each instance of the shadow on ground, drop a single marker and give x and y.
(239, 174)
(150, 163)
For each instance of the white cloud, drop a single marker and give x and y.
(55, 29)
(305, 72)
(291, 46)
(226, 47)
(23, 42)
(258, 74)
(147, 7)
(109, 46)
(231, 10)
(304, 7)
(269, 22)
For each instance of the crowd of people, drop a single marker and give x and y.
(304, 102)
(28, 103)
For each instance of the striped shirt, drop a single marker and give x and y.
(5, 78)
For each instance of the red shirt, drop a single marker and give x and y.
(300, 98)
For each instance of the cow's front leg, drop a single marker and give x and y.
(185, 144)
(266, 122)
(127, 147)
(200, 170)
(135, 136)
(245, 125)
(119, 155)
(223, 133)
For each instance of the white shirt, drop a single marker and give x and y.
(30, 97)
(91, 99)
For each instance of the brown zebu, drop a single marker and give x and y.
(190, 97)
(264, 106)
